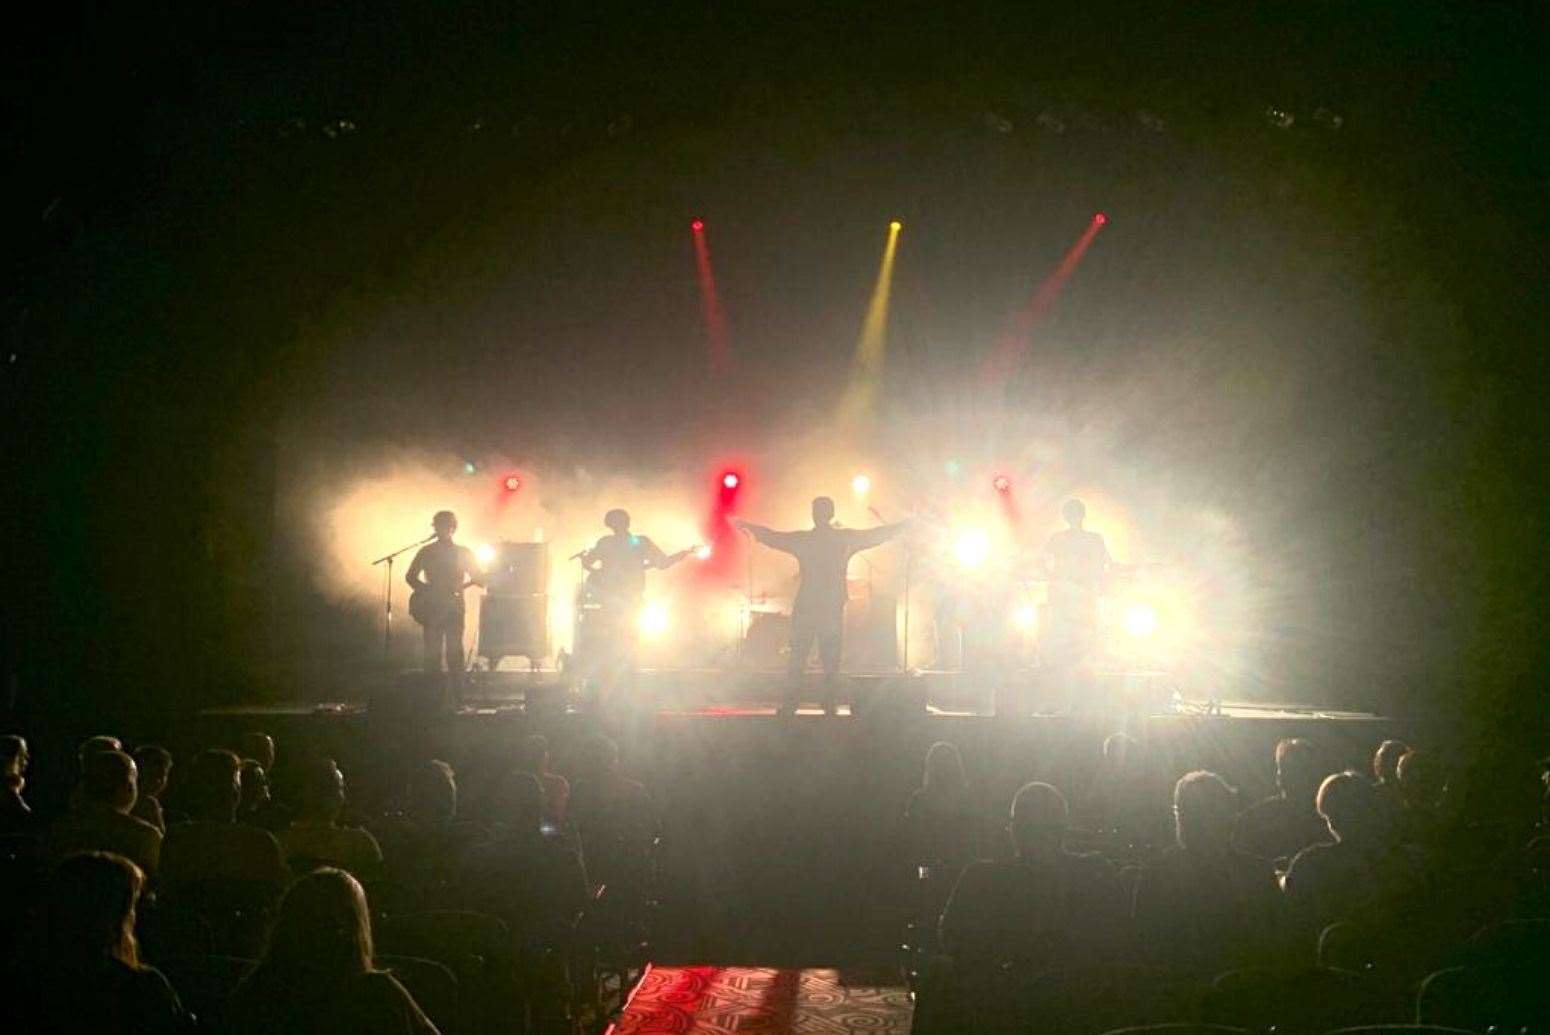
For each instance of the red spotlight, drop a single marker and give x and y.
(511, 483)
(1100, 219)
(1001, 483)
(730, 480)
(697, 225)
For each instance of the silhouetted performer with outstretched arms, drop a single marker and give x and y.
(823, 553)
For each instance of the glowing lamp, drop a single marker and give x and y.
(895, 226)
(1001, 483)
(1140, 620)
(511, 483)
(652, 621)
(484, 553)
(702, 552)
(469, 467)
(730, 480)
(697, 225)
(861, 484)
(972, 548)
(1100, 219)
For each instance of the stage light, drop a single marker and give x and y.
(730, 480)
(469, 467)
(1100, 218)
(1025, 618)
(1140, 620)
(972, 547)
(484, 553)
(703, 552)
(697, 225)
(1001, 483)
(895, 226)
(652, 622)
(861, 485)
(511, 483)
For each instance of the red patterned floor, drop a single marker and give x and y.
(716, 1000)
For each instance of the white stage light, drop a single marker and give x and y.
(702, 552)
(653, 621)
(972, 547)
(484, 553)
(861, 484)
(1140, 620)
(1025, 618)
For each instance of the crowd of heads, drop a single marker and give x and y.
(1133, 859)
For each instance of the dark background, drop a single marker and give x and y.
(243, 230)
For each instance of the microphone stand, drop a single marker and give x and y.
(909, 564)
(387, 599)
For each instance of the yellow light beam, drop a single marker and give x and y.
(866, 368)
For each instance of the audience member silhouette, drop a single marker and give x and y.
(1203, 904)
(212, 846)
(423, 843)
(154, 765)
(257, 746)
(532, 881)
(16, 817)
(613, 815)
(1044, 906)
(1385, 766)
(1283, 824)
(533, 757)
(253, 783)
(100, 821)
(940, 817)
(1363, 875)
(315, 835)
(318, 975)
(1120, 803)
(1421, 784)
(82, 970)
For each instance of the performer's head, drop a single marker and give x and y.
(617, 520)
(1075, 512)
(445, 523)
(823, 511)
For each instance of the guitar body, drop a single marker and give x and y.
(430, 608)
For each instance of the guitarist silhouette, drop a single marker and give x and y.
(439, 574)
(616, 586)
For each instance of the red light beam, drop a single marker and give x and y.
(710, 304)
(1003, 362)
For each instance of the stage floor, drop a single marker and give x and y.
(713, 1000)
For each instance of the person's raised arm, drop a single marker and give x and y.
(654, 556)
(866, 538)
(783, 541)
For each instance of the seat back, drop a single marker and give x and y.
(204, 982)
(433, 986)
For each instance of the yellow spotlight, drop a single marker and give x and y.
(484, 553)
(861, 485)
(653, 621)
(702, 552)
(1140, 620)
(972, 547)
(1025, 618)
(895, 226)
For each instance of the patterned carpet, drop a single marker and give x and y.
(716, 1000)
